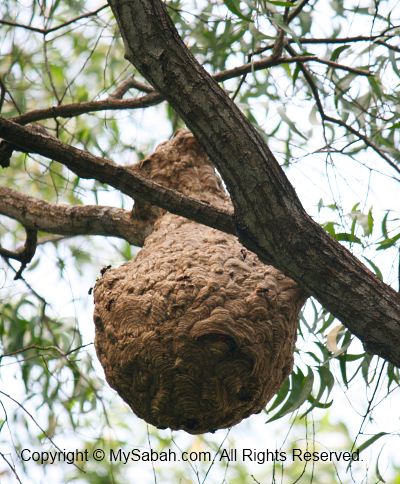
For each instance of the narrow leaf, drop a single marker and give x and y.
(233, 6)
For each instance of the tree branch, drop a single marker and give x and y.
(114, 102)
(339, 122)
(25, 254)
(271, 219)
(3, 91)
(70, 220)
(339, 40)
(275, 61)
(127, 180)
(76, 109)
(57, 27)
(130, 83)
(294, 13)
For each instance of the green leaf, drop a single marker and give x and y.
(343, 369)
(394, 62)
(370, 441)
(281, 395)
(376, 86)
(384, 225)
(330, 228)
(393, 375)
(233, 6)
(365, 368)
(327, 380)
(301, 387)
(295, 74)
(375, 268)
(370, 222)
(281, 3)
(316, 404)
(127, 251)
(346, 237)
(388, 242)
(377, 471)
(336, 53)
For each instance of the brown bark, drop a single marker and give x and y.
(69, 220)
(125, 179)
(271, 219)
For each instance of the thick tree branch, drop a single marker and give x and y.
(71, 220)
(125, 179)
(76, 109)
(272, 221)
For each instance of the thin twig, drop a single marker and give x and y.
(364, 138)
(294, 13)
(24, 255)
(52, 29)
(11, 466)
(337, 121)
(42, 300)
(127, 84)
(3, 91)
(37, 424)
(76, 109)
(339, 40)
(44, 348)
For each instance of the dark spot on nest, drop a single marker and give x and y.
(219, 340)
(112, 338)
(263, 291)
(98, 323)
(104, 269)
(192, 423)
(245, 395)
(109, 304)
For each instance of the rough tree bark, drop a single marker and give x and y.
(270, 218)
(69, 220)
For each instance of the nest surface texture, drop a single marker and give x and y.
(195, 333)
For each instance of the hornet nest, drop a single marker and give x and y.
(195, 333)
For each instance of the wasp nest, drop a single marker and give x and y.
(195, 333)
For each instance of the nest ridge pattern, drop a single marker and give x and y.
(195, 333)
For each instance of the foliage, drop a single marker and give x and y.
(333, 121)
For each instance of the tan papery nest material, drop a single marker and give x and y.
(195, 333)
